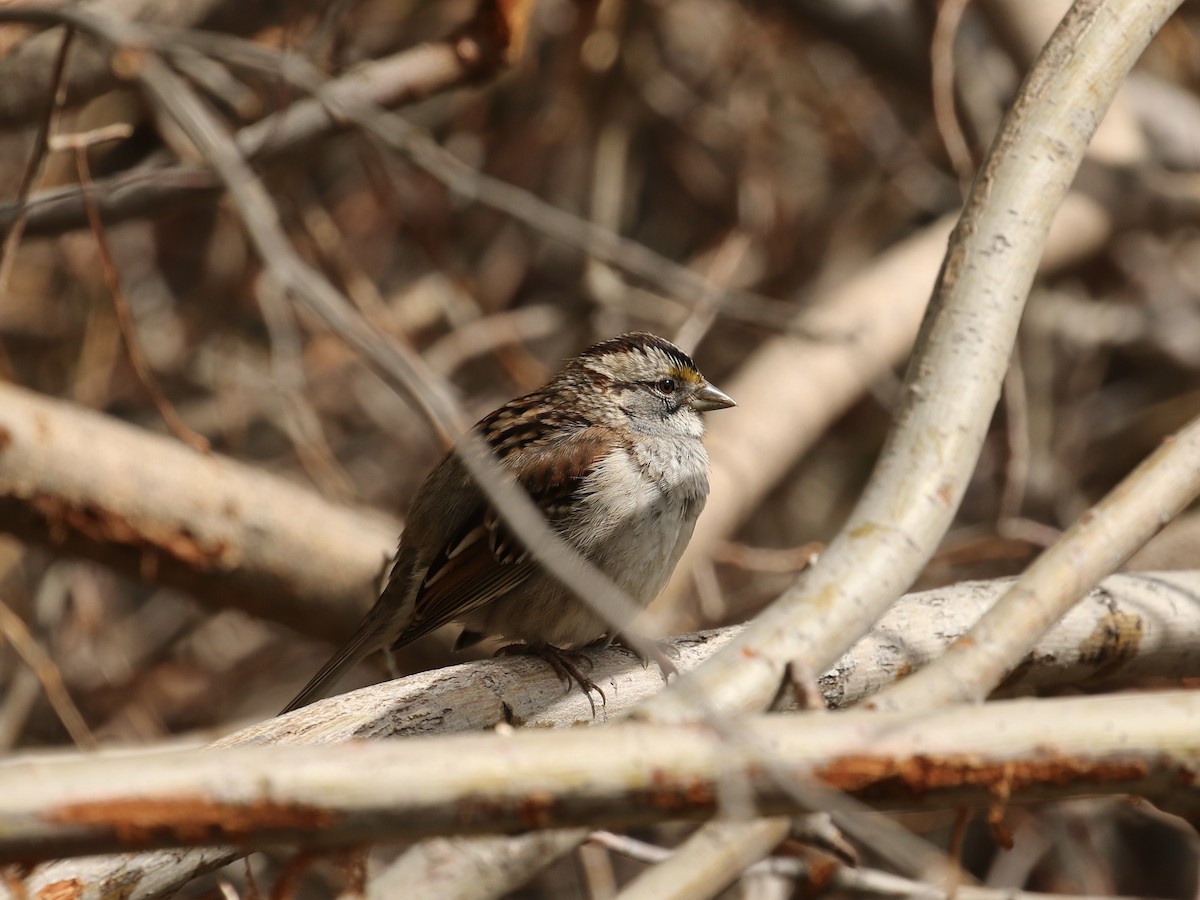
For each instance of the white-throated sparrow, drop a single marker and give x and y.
(610, 451)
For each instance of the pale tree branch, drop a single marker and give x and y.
(878, 310)
(1102, 539)
(1130, 618)
(1131, 627)
(709, 860)
(1011, 751)
(474, 867)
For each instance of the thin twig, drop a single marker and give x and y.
(490, 334)
(726, 260)
(112, 280)
(37, 161)
(1016, 430)
(299, 419)
(33, 171)
(17, 634)
(945, 111)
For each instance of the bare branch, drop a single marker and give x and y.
(1103, 538)
(711, 859)
(16, 633)
(754, 446)
(112, 280)
(1131, 627)
(632, 773)
(36, 164)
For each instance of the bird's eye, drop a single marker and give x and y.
(667, 385)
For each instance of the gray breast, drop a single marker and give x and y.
(639, 512)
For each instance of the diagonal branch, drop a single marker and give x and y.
(1103, 538)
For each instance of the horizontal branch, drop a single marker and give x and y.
(148, 506)
(1131, 627)
(621, 775)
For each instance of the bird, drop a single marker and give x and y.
(610, 450)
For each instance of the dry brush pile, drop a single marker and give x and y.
(262, 263)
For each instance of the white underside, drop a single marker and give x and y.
(634, 523)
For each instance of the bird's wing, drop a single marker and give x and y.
(483, 560)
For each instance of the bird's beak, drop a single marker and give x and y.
(708, 398)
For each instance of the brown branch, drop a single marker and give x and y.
(112, 281)
(34, 655)
(945, 114)
(36, 164)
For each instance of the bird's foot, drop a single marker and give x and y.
(567, 664)
(660, 652)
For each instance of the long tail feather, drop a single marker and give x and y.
(370, 636)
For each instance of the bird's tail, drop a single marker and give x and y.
(371, 635)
